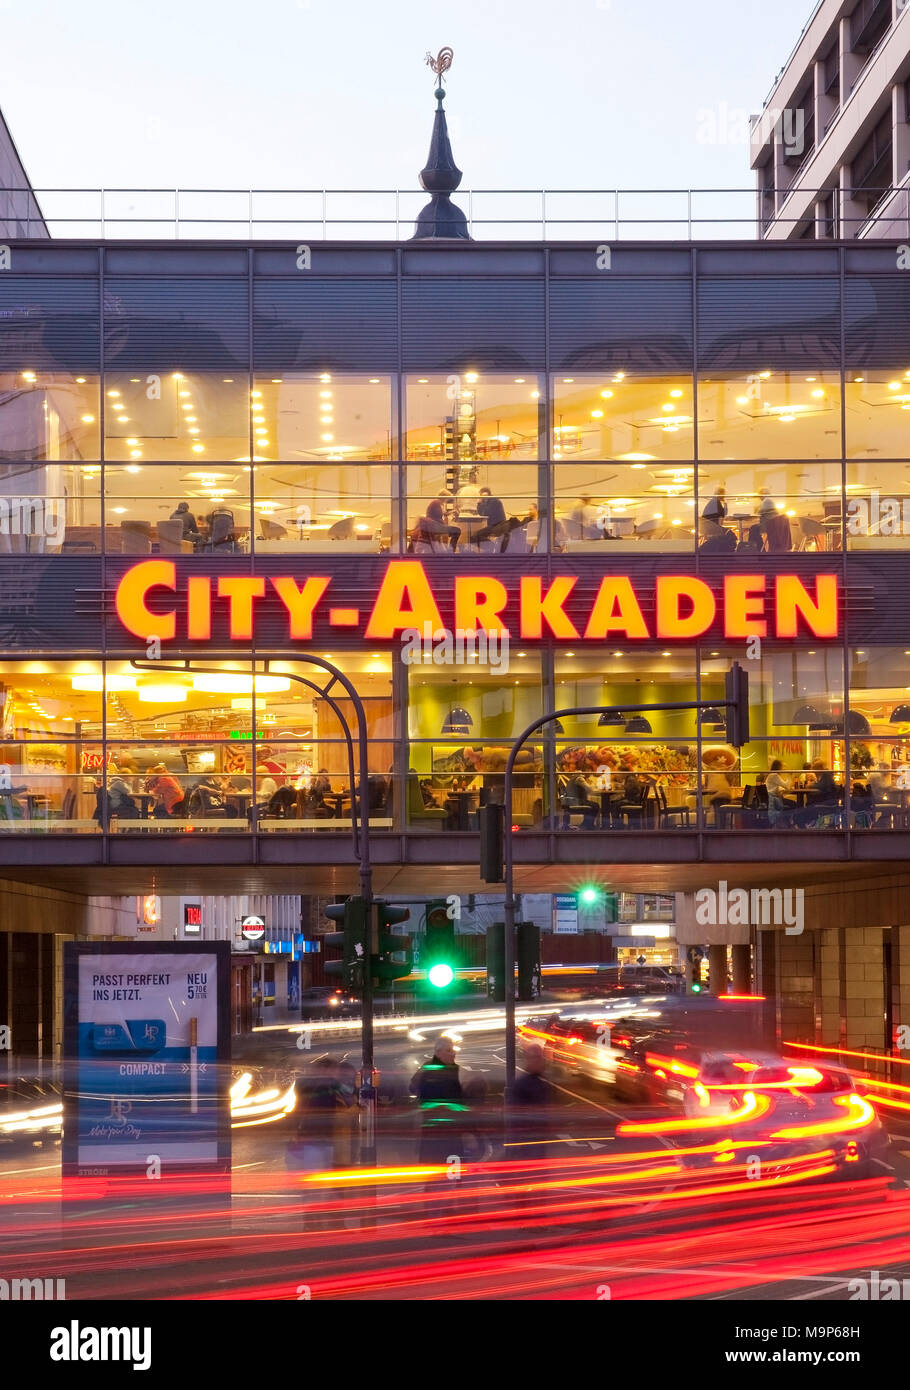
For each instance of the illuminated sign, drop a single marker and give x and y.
(678, 606)
(192, 919)
(252, 928)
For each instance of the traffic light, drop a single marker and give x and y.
(388, 945)
(351, 915)
(438, 956)
(736, 715)
(589, 896)
(527, 950)
(491, 821)
(496, 962)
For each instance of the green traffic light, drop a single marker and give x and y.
(589, 895)
(696, 988)
(440, 975)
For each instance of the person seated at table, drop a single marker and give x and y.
(170, 800)
(282, 803)
(862, 803)
(432, 526)
(806, 778)
(468, 495)
(715, 508)
(266, 786)
(576, 800)
(120, 800)
(207, 798)
(190, 525)
(777, 784)
(824, 796)
(716, 788)
(879, 781)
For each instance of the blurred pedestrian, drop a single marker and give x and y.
(437, 1089)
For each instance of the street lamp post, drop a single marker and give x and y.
(508, 852)
(360, 836)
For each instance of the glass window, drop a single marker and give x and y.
(473, 417)
(878, 506)
(878, 413)
(461, 726)
(57, 700)
(791, 773)
(173, 510)
(880, 737)
(769, 415)
(613, 507)
(49, 787)
(48, 415)
(174, 415)
(50, 508)
(623, 415)
(755, 509)
(487, 508)
(309, 417)
(330, 507)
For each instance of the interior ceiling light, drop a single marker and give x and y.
(162, 694)
(237, 683)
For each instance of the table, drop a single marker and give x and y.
(463, 807)
(741, 518)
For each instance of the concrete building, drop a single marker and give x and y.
(831, 148)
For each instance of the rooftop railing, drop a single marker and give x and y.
(306, 215)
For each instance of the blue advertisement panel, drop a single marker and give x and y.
(146, 1057)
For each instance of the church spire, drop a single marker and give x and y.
(440, 219)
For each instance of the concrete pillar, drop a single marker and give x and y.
(828, 986)
(863, 1000)
(850, 62)
(852, 214)
(900, 129)
(742, 969)
(795, 987)
(717, 969)
(825, 103)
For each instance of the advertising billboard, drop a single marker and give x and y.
(146, 1058)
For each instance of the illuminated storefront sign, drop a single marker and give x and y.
(679, 606)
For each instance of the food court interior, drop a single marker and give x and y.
(198, 462)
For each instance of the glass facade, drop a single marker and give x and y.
(530, 421)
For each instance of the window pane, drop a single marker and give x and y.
(57, 700)
(878, 413)
(50, 508)
(174, 415)
(48, 415)
(328, 507)
(754, 509)
(878, 506)
(46, 789)
(484, 508)
(176, 510)
(769, 415)
(309, 416)
(623, 415)
(880, 743)
(474, 417)
(613, 507)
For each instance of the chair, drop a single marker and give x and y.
(170, 538)
(776, 527)
(666, 813)
(342, 530)
(417, 811)
(532, 536)
(135, 538)
(271, 530)
(221, 531)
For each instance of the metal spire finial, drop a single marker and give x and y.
(440, 66)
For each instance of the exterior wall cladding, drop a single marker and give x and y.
(696, 313)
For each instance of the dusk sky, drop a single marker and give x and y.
(334, 93)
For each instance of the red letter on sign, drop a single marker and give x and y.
(744, 605)
(616, 610)
(300, 603)
(240, 592)
(404, 579)
(670, 622)
(479, 601)
(132, 592)
(536, 606)
(793, 601)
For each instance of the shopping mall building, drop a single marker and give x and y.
(624, 465)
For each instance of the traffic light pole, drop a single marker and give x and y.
(508, 852)
(360, 836)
